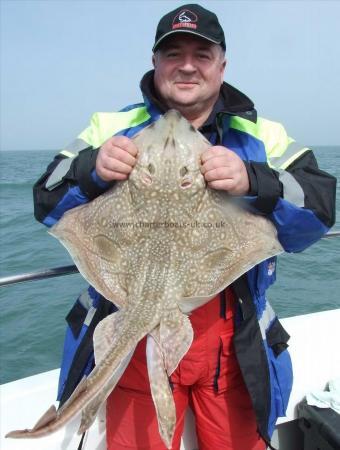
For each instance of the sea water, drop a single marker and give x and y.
(32, 314)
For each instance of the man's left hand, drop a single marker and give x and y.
(223, 169)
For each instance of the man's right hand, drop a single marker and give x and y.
(116, 158)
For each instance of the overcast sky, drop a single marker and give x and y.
(63, 60)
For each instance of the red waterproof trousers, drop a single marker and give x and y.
(208, 379)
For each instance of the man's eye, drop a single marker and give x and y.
(204, 56)
(171, 52)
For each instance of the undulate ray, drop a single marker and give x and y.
(157, 245)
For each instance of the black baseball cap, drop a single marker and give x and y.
(192, 19)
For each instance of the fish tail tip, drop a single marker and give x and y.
(168, 443)
(15, 434)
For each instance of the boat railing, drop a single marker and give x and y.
(38, 275)
(69, 270)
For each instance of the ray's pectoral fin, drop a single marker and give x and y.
(160, 388)
(85, 233)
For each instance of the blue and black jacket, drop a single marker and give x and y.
(286, 186)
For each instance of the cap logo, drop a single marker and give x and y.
(185, 19)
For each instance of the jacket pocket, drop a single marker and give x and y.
(280, 366)
(227, 372)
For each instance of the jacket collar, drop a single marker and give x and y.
(230, 101)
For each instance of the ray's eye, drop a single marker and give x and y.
(151, 169)
(183, 171)
(148, 173)
(186, 181)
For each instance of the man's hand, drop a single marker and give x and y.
(223, 169)
(116, 158)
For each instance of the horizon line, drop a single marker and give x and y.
(58, 150)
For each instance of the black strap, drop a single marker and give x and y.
(218, 368)
(80, 446)
(242, 292)
(223, 305)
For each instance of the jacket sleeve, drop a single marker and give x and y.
(70, 180)
(296, 195)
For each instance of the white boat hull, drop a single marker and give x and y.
(314, 348)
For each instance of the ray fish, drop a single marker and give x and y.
(157, 245)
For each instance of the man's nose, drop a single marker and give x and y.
(188, 64)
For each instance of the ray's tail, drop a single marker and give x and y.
(166, 346)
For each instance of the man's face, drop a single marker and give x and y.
(188, 72)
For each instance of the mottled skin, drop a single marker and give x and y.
(157, 245)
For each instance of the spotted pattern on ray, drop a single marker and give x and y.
(156, 245)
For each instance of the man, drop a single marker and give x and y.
(237, 374)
